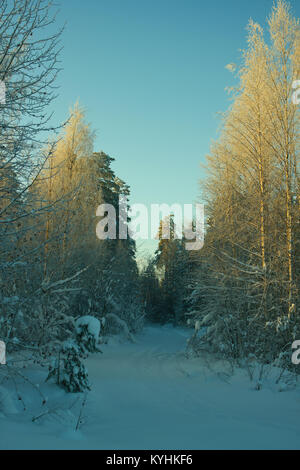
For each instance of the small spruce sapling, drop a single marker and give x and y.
(68, 369)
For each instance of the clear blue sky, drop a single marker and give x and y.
(151, 75)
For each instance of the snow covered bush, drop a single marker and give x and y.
(222, 308)
(115, 300)
(87, 333)
(240, 320)
(74, 374)
(68, 369)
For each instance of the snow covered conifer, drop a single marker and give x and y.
(68, 369)
(74, 374)
(87, 333)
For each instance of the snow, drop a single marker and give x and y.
(149, 395)
(93, 325)
(7, 405)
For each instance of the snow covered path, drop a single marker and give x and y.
(147, 395)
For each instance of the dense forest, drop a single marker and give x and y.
(242, 289)
(60, 285)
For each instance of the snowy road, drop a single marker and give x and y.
(147, 395)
